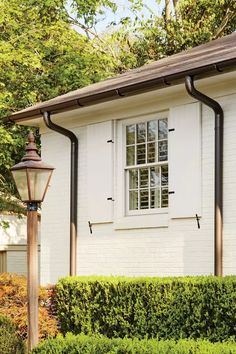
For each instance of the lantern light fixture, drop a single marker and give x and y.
(32, 175)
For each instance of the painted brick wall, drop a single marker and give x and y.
(12, 237)
(15, 233)
(17, 262)
(179, 249)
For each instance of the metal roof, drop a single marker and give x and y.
(205, 60)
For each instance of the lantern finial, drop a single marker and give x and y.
(31, 149)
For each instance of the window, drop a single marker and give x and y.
(147, 165)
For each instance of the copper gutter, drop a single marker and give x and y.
(73, 186)
(125, 90)
(218, 217)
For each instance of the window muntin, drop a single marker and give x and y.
(147, 165)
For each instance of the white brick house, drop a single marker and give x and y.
(13, 244)
(134, 131)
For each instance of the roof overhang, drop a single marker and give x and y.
(207, 60)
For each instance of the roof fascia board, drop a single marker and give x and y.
(127, 90)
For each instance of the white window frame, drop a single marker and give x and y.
(144, 218)
(139, 166)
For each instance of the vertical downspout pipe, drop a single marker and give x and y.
(73, 186)
(219, 125)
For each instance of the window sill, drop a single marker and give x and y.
(142, 221)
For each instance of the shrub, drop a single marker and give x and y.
(13, 304)
(10, 341)
(82, 344)
(167, 308)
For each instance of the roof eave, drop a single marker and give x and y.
(127, 90)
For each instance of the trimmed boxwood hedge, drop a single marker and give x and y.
(164, 308)
(82, 344)
(10, 341)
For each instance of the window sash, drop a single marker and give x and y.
(161, 188)
(160, 139)
(146, 198)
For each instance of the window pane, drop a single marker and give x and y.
(144, 199)
(143, 177)
(141, 154)
(162, 151)
(133, 179)
(164, 198)
(130, 134)
(154, 198)
(130, 155)
(163, 129)
(151, 152)
(154, 177)
(141, 133)
(133, 200)
(152, 130)
(164, 175)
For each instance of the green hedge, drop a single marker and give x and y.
(164, 308)
(10, 341)
(82, 344)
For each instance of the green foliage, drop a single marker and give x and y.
(13, 304)
(82, 344)
(185, 24)
(10, 341)
(41, 56)
(167, 308)
(89, 9)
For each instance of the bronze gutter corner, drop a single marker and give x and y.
(218, 215)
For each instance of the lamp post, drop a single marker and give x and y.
(32, 177)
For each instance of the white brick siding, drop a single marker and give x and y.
(179, 249)
(13, 241)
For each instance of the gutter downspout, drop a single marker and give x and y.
(219, 125)
(73, 186)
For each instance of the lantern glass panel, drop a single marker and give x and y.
(20, 178)
(38, 183)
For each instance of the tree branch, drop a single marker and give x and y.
(175, 3)
(228, 17)
(167, 11)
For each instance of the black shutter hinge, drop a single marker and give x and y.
(171, 129)
(110, 198)
(198, 221)
(110, 141)
(171, 192)
(90, 227)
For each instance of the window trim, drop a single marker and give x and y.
(146, 219)
(125, 123)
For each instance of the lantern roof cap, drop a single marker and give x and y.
(31, 159)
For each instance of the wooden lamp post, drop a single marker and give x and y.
(32, 177)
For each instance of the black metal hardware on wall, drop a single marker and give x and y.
(90, 227)
(110, 141)
(198, 221)
(110, 198)
(171, 192)
(73, 186)
(171, 130)
(218, 215)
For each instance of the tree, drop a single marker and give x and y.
(41, 56)
(182, 25)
